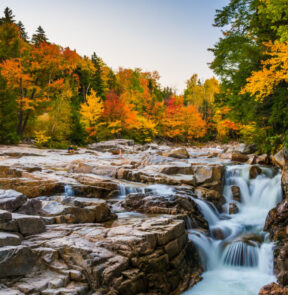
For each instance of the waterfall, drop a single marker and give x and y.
(206, 210)
(68, 190)
(238, 259)
(160, 189)
(124, 190)
(239, 253)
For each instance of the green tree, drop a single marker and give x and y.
(97, 81)
(23, 33)
(39, 37)
(247, 25)
(8, 16)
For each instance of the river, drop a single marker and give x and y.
(240, 261)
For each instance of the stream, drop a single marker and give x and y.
(237, 254)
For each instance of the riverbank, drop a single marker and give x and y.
(105, 221)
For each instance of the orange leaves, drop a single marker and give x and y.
(274, 70)
(193, 125)
(183, 122)
(116, 109)
(13, 71)
(223, 125)
(53, 59)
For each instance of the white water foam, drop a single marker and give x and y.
(243, 262)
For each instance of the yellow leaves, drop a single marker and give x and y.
(91, 110)
(223, 125)
(274, 70)
(193, 125)
(87, 65)
(41, 138)
(115, 127)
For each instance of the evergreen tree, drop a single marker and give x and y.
(97, 82)
(8, 115)
(23, 33)
(111, 80)
(8, 16)
(39, 37)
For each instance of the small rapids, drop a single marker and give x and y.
(237, 255)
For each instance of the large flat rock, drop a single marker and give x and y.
(15, 261)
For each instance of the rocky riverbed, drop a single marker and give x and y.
(102, 221)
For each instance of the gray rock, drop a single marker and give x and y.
(111, 145)
(11, 200)
(29, 224)
(15, 261)
(9, 239)
(5, 216)
(180, 153)
(30, 207)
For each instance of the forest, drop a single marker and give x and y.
(53, 96)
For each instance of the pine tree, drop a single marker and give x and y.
(23, 33)
(8, 115)
(39, 37)
(8, 16)
(97, 83)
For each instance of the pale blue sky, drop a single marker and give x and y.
(170, 36)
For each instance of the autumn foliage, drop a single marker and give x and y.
(57, 96)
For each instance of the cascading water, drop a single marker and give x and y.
(125, 190)
(68, 190)
(237, 255)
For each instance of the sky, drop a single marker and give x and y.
(169, 36)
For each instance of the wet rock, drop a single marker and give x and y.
(236, 193)
(276, 225)
(179, 153)
(252, 160)
(251, 239)
(11, 200)
(94, 187)
(273, 289)
(239, 157)
(173, 204)
(212, 196)
(254, 171)
(15, 261)
(210, 176)
(284, 180)
(276, 221)
(263, 159)
(279, 159)
(218, 233)
(233, 208)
